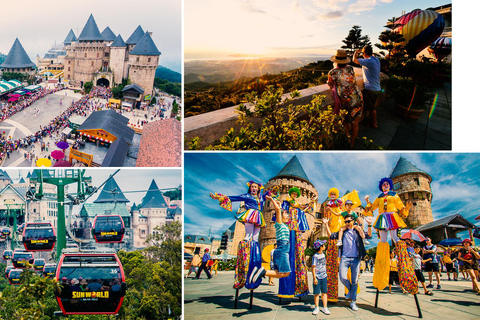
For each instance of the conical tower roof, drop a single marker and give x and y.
(111, 192)
(153, 198)
(118, 42)
(90, 32)
(136, 36)
(403, 167)
(17, 57)
(70, 37)
(108, 34)
(4, 175)
(293, 169)
(145, 47)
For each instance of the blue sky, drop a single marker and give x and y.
(455, 180)
(283, 27)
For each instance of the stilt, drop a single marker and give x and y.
(251, 300)
(300, 299)
(376, 299)
(418, 306)
(280, 300)
(236, 299)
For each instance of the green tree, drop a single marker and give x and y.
(393, 43)
(355, 40)
(87, 86)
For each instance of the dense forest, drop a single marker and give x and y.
(201, 97)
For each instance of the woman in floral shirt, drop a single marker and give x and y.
(343, 82)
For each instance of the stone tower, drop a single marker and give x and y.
(17, 60)
(118, 58)
(292, 175)
(143, 61)
(87, 56)
(413, 184)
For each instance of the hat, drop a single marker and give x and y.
(466, 240)
(249, 183)
(206, 249)
(334, 190)
(64, 278)
(317, 244)
(340, 57)
(349, 202)
(83, 281)
(75, 281)
(296, 190)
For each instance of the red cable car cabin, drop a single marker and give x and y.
(7, 271)
(108, 229)
(49, 270)
(38, 264)
(14, 276)
(20, 259)
(7, 254)
(39, 236)
(92, 283)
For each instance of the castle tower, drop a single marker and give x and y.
(90, 53)
(108, 36)
(143, 61)
(18, 61)
(134, 38)
(69, 60)
(292, 175)
(118, 58)
(413, 184)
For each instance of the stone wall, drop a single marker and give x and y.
(141, 70)
(118, 64)
(416, 188)
(212, 125)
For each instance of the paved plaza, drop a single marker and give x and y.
(214, 299)
(28, 121)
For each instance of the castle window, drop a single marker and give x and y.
(68, 68)
(149, 59)
(417, 181)
(92, 63)
(98, 54)
(397, 186)
(68, 61)
(85, 54)
(138, 59)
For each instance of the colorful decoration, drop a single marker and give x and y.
(419, 28)
(441, 48)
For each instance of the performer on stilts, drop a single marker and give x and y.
(249, 255)
(333, 209)
(391, 210)
(296, 284)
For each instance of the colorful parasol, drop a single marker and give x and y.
(413, 234)
(62, 163)
(44, 162)
(57, 155)
(62, 145)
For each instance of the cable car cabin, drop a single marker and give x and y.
(21, 258)
(2, 237)
(7, 270)
(108, 229)
(14, 276)
(39, 237)
(49, 270)
(7, 254)
(38, 264)
(101, 288)
(6, 231)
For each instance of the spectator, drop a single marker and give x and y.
(430, 252)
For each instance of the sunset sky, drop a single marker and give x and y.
(217, 28)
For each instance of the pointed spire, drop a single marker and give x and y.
(118, 42)
(293, 169)
(108, 34)
(403, 166)
(90, 32)
(145, 47)
(136, 35)
(17, 57)
(70, 38)
(111, 192)
(4, 176)
(153, 198)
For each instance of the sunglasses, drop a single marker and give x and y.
(348, 221)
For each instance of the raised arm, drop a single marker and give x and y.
(278, 209)
(325, 222)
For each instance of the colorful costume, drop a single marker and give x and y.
(335, 222)
(388, 204)
(296, 284)
(248, 255)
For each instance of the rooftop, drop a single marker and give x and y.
(90, 32)
(136, 35)
(145, 47)
(293, 169)
(108, 35)
(70, 38)
(111, 192)
(17, 57)
(404, 166)
(118, 42)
